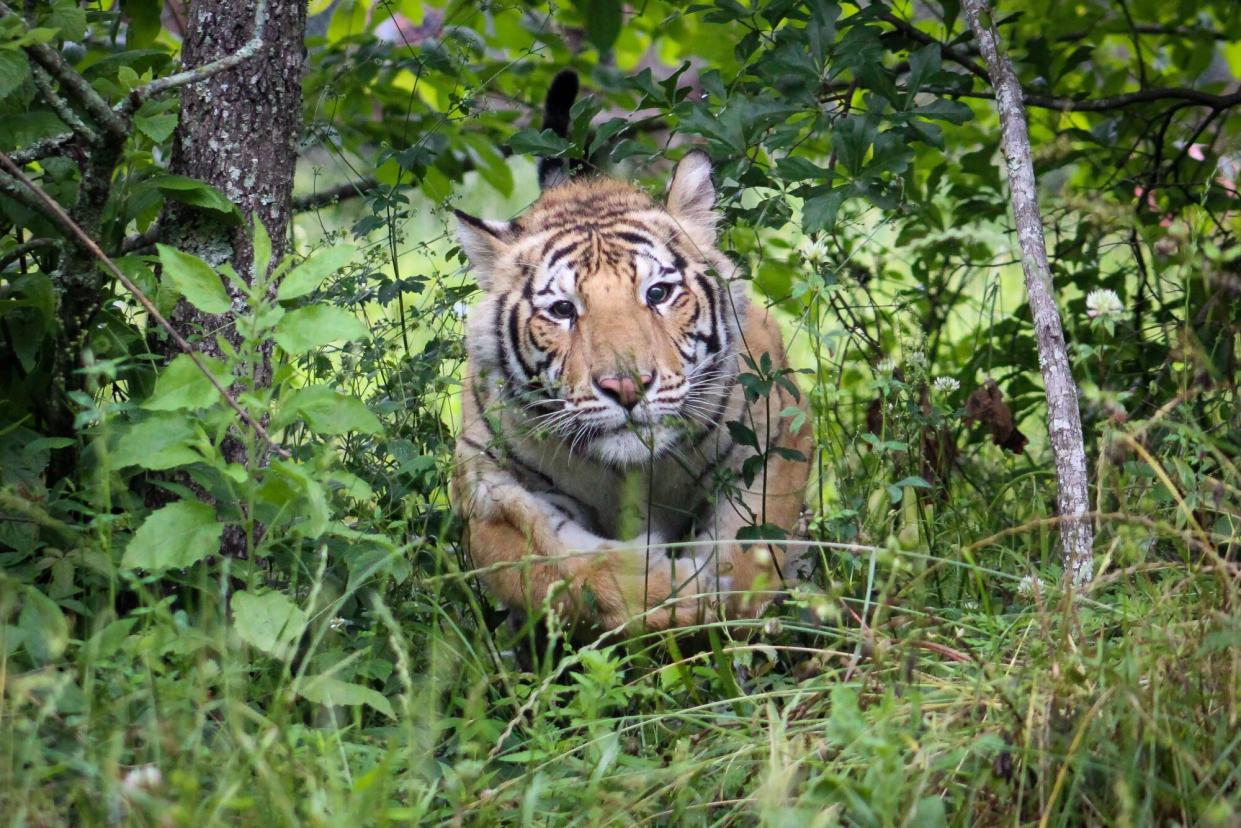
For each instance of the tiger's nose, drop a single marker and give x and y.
(624, 390)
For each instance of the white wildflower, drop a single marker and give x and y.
(337, 624)
(142, 778)
(1031, 586)
(945, 385)
(813, 251)
(886, 366)
(460, 310)
(1103, 303)
(916, 359)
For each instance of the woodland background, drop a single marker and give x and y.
(250, 607)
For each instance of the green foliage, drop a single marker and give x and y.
(346, 668)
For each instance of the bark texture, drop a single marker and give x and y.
(238, 132)
(1064, 423)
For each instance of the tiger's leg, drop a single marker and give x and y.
(530, 551)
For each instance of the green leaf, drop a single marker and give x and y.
(603, 20)
(308, 275)
(819, 212)
(159, 127)
(44, 627)
(262, 249)
(144, 22)
(13, 71)
(183, 385)
(533, 142)
(328, 412)
(196, 193)
(313, 326)
(194, 279)
(328, 690)
(162, 441)
(174, 537)
(928, 813)
(269, 622)
(923, 64)
(68, 18)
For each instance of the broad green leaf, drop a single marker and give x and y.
(44, 627)
(269, 622)
(144, 22)
(161, 441)
(329, 412)
(13, 71)
(183, 385)
(68, 18)
(158, 127)
(308, 275)
(328, 690)
(819, 212)
(313, 326)
(196, 193)
(533, 142)
(603, 20)
(195, 279)
(174, 537)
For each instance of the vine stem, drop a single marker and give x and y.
(1064, 425)
(62, 218)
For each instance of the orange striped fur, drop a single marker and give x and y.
(596, 472)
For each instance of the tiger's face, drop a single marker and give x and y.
(606, 317)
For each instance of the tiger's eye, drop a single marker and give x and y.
(657, 293)
(563, 309)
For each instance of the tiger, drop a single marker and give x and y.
(607, 436)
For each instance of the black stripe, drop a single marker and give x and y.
(502, 343)
(634, 238)
(514, 333)
(713, 339)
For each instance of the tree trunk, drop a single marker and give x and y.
(238, 132)
(1064, 423)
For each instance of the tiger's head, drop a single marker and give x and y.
(609, 320)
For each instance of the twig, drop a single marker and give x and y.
(341, 192)
(62, 218)
(1064, 425)
(142, 240)
(25, 249)
(53, 145)
(22, 196)
(199, 73)
(1193, 96)
(1057, 103)
(43, 82)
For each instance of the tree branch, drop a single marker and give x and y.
(1064, 425)
(200, 73)
(1192, 96)
(62, 218)
(963, 60)
(43, 82)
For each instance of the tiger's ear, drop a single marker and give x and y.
(691, 197)
(484, 243)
